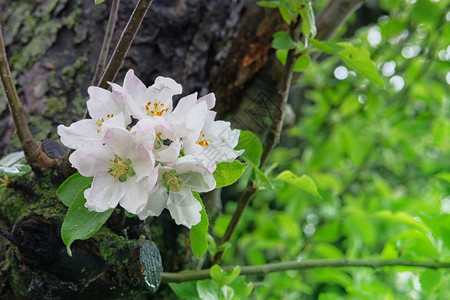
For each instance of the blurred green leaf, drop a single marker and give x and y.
(303, 182)
(282, 40)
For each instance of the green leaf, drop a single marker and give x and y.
(302, 63)
(401, 217)
(199, 242)
(269, 4)
(228, 173)
(282, 40)
(308, 20)
(303, 182)
(282, 56)
(185, 290)
(356, 58)
(252, 145)
(81, 223)
(97, 2)
(70, 188)
(14, 165)
(359, 60)
(223, 278)
(207, 290)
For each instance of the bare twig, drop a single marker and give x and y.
(308, 264)
(116, 61)
(106, 42)
(271, 140)
(29, 145)
(125, 41)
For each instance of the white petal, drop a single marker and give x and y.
(121, 141)
(92, 160)
(79, 134)
(142, 162)
(136, 194)
(210, 100)
(135, 94)
(156, 202)
(105, 193)
(169, 153)
(184, 208)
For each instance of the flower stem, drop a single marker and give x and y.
(29, 145)
(308, 264)
(106, 42)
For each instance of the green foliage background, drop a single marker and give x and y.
(381, 161)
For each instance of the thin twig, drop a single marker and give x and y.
(125, 41)
(116, 61)
(271, 140)
(29, 145)
(308, 264)
(273, 136)
(106, 41)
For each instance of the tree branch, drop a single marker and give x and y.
(106, 41)
(127, 37)
(308, 264)
(29, 145)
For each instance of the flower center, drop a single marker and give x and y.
(155, 108)
(121, 168)
(202, 140)
(100, 121)
(174, 182)
(158, 141)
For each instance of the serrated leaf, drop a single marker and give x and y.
(70, 188)
(303, 182)
(81, 223)
(302, 63)
(252, 145)
(199, 232)
(282, 40)
(228, 173)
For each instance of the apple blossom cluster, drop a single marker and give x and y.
(146, 155)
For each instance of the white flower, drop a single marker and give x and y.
(106, 109)
(209, 141)
(123, 171)
(158, 136)
(174, 191)
(156, 100)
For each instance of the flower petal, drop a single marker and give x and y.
(136, 195)
(105, 193)
(92, 160)
(184, 208)
(156, 202)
